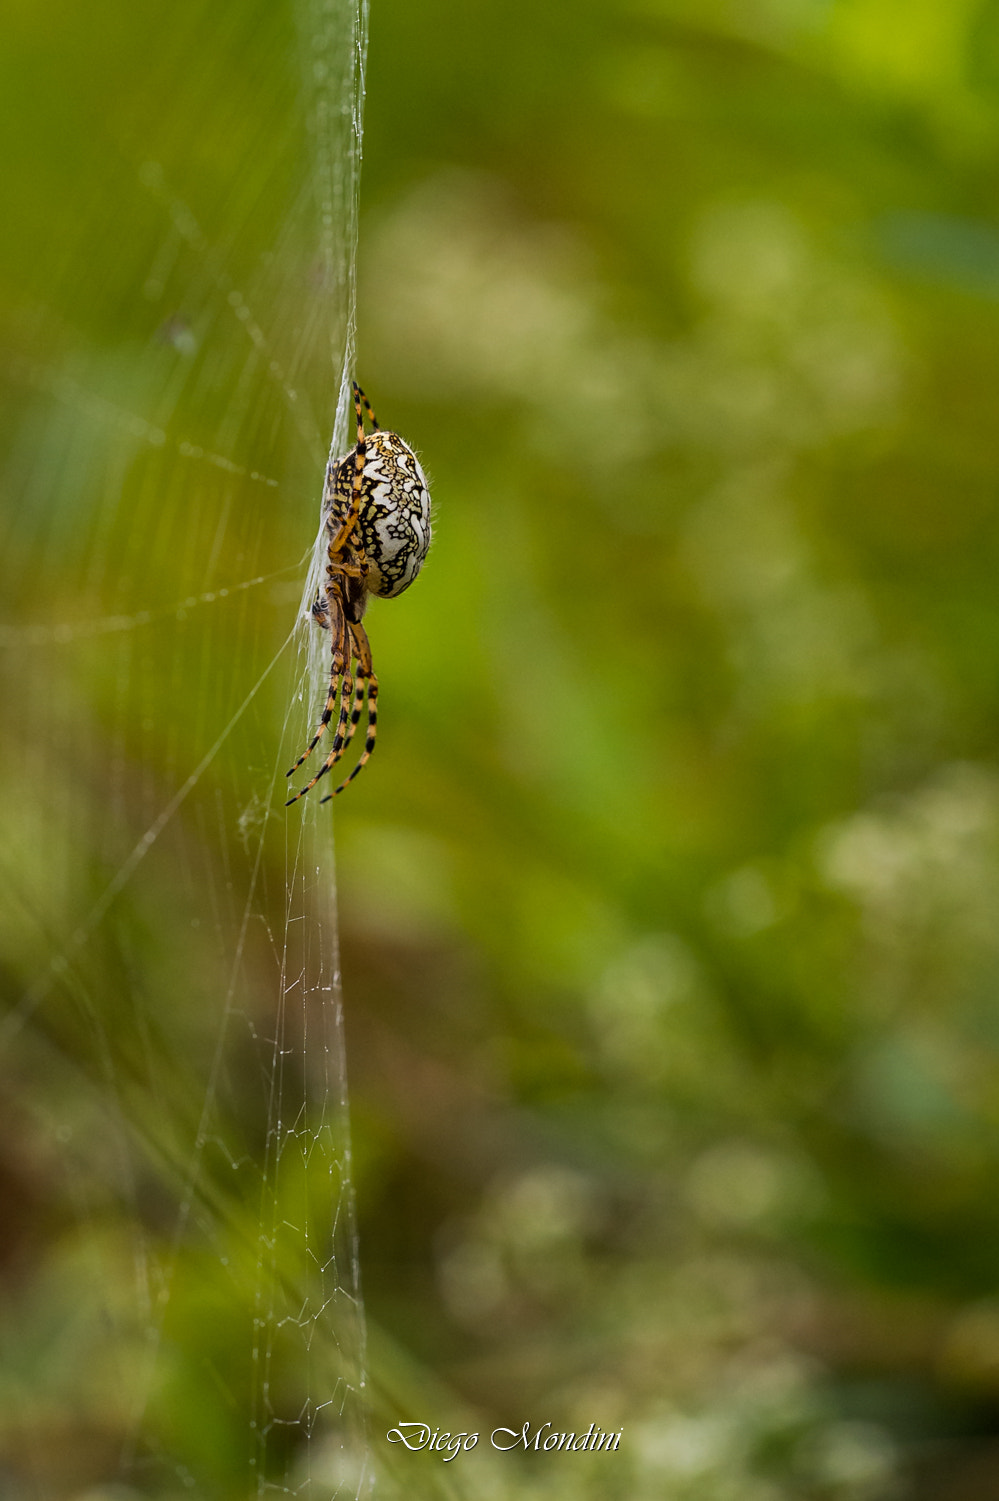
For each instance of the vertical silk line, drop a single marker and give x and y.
(307, 1272)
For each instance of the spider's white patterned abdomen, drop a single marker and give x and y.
(394, 518)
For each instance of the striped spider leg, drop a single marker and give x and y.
(367, 689)
(377, 509)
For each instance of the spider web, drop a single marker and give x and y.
(192, 1322)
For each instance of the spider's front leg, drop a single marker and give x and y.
(366, 681)
(328, 612)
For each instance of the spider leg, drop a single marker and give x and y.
(359, 653)
(367, 685)
(358, 393)
(340, 739)
(355, 717)
(369, 742)
(321, 614)
(360, 453)
(341, 687)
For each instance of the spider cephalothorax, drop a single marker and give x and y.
(377, 516)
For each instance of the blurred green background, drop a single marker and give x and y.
(668, 905)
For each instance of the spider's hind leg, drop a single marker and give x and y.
(342, 536)
(359, 396)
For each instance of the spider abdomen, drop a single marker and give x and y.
(394, 517)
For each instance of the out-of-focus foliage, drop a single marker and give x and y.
(668, 905)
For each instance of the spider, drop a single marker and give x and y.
(377, 511)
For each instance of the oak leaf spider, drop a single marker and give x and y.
(377, 513)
